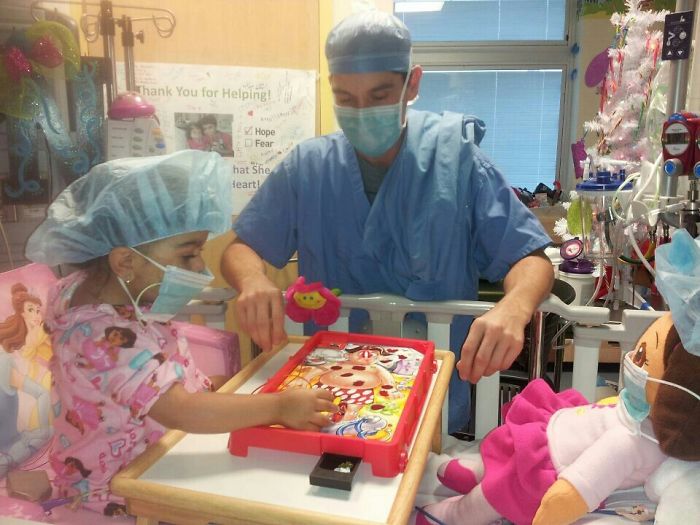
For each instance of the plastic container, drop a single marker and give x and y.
(592, 217)
(579, 274)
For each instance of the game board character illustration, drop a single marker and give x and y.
(370, 397)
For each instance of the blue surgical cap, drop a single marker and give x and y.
(128, 202)
(369, 42)
(678, 280)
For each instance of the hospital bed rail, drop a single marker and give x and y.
(591, 327)
(211, 305)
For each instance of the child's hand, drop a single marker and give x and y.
(305, 409)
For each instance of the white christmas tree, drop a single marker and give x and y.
(633, 63)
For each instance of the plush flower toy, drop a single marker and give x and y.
(556, 457)
(312, 302)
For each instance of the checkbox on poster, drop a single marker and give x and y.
(248, 130)
(248, 143)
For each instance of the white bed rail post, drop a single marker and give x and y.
(439, 333)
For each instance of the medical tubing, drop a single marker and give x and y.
(641, 257)
(654, 173)
(616, 196)
(640, 191)
(656, 211)
(629, 260)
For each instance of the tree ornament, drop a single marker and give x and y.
(17, 65)
(45, 52)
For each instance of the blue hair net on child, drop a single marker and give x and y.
(678, 280)
(127, 202)
(367, 42)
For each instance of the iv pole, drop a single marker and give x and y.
(677, 89)
(689, 216)
(104, 24)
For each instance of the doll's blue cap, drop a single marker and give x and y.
(678, 280)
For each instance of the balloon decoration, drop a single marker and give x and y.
(27, 59)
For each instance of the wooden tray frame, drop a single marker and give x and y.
(151, 502)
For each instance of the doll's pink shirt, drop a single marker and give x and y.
(598, 450)
(103, 422)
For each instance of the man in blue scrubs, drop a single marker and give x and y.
(399, 201)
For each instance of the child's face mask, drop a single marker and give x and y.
(177, 288)
(634, 394)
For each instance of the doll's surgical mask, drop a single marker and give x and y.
(634, 394)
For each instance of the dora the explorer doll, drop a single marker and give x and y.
(556, 457)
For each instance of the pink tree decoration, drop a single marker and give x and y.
(633, 63)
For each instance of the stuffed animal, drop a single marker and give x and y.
(312, 302)
(557, 457)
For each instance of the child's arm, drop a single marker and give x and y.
(212, 413)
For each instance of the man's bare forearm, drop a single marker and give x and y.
(240, 262)
(528, 283)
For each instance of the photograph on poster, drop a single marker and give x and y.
(205, 131)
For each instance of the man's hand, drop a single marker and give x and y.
(260, 311)
(495, 339)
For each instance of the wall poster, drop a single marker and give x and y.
(252, 116)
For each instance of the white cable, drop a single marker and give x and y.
(669, 208)
(598, 284)
(7, 245)
(652, 175)
(616, 196)
(654, 171)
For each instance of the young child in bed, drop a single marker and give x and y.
(135, 228)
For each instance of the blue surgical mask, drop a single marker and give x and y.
(372, 130)
(634, 394)
(177, 288)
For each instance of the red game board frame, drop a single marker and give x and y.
(388, 458)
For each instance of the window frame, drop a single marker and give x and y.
(519, 55)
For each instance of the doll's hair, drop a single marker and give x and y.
(675, 415)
